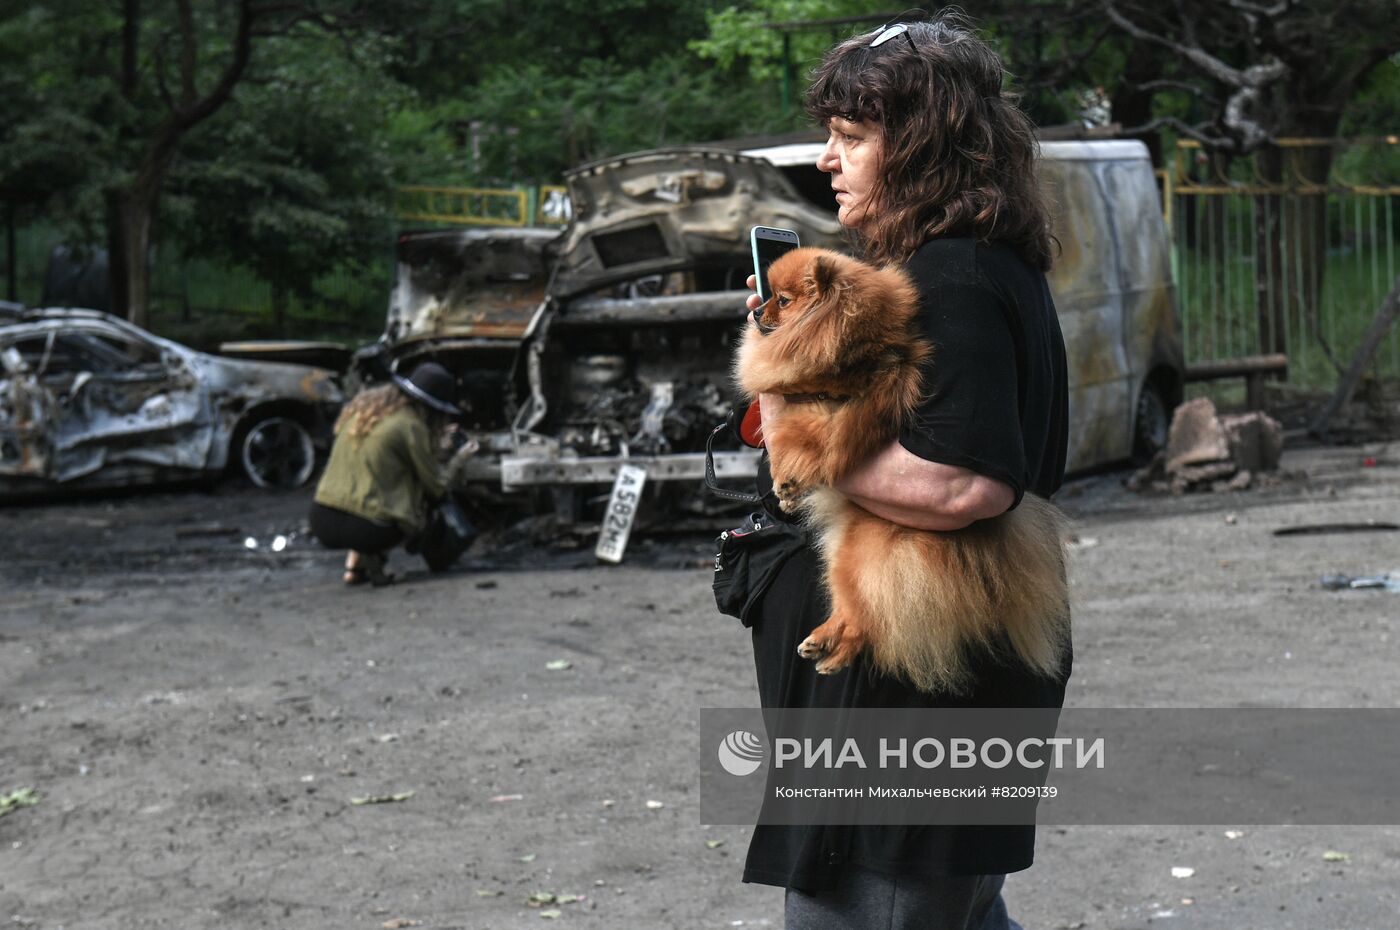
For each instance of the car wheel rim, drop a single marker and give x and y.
(277, 453)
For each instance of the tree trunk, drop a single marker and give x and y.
(1380, 326)
(1271, 256)
(134, 220)
(1291, 243)
(130, 210)
(1311, 166)
(1130, 105)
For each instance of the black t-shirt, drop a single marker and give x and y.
(997, 404)
(997, 392)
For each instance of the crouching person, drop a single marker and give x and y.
(383, 479)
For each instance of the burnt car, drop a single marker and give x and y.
(89, 400)
(609, 344)
(606, 343)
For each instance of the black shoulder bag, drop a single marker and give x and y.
(748, 557)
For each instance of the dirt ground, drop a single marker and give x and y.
(197, 716)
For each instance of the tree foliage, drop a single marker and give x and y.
(1261, 71)
(270, 133)
(532, 89)
(296, 174)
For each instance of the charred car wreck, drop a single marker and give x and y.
(604, 344)
(610, 343)
(89, 400)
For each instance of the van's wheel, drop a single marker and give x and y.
(1151, 424)
(275, 452)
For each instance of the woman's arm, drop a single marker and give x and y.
(898, 486)
(422, 459)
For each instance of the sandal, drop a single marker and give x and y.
(371, 568)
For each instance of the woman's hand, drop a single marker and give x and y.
(753, 302)
(770, 406)
(458, 462)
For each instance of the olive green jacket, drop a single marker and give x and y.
(389, 475)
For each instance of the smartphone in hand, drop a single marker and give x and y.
(769, 243)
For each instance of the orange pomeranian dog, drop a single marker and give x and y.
(839, 338)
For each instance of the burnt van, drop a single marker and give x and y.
(1112, 285)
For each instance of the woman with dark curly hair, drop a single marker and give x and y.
(934, 169)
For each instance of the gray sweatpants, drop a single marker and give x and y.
(866, 900)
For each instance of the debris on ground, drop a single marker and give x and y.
(559, 665)
(1209, 452)
(382, 798)
(1333, 856)
(543, 898)
(1327, 529)
(1181, 871)
(1390, 581)
(20, 797)
(398, 923)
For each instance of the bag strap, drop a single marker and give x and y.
(711, 480)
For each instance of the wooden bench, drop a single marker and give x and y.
(1252, 368)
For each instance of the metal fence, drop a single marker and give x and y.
(480, 206)
(1291, 250)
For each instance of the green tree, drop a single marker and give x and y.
(532, 89)
(50, 140)
(296, 174)
(531, 125)
(1259, 73)
(123, 87)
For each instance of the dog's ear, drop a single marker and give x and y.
(822, 276)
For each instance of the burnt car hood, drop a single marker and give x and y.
(468, 284)
(254, 382)
(640, 215)
(676, 209)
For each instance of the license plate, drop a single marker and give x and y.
(622, 511)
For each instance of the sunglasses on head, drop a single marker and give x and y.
(887, 32)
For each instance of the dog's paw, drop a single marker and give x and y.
(834, 645)
(811, 648)
(789, 493)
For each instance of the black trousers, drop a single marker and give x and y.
(337, 529)
(861, 899)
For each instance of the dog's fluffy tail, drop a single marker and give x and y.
(934, 598)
